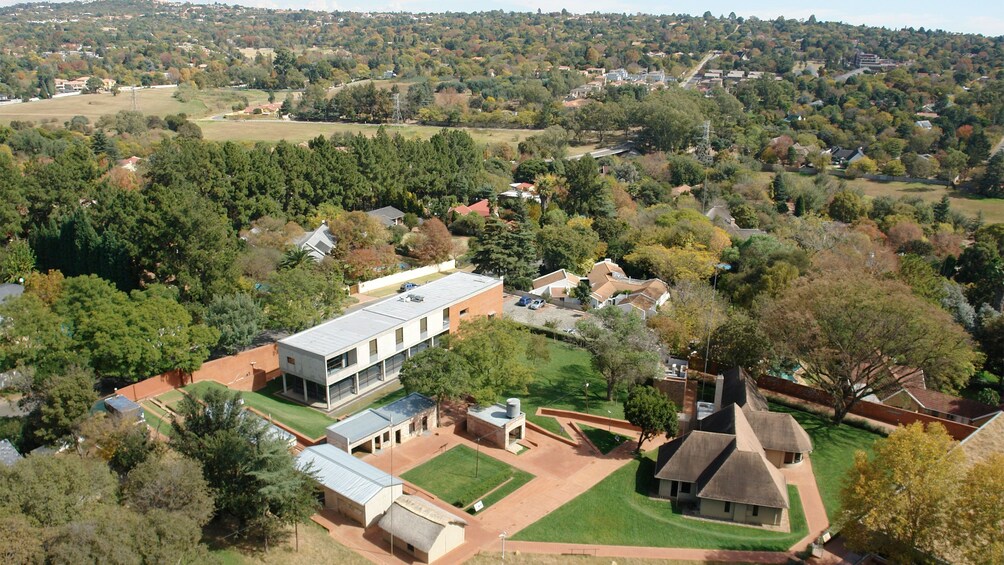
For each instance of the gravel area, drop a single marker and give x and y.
(565, 317)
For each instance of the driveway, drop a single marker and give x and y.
(565, 317)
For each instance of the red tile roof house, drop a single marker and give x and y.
(609, 285)
(941, 405)
(482, 208)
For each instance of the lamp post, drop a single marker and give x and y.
(586, 387)
(502, 536)
(610, 419)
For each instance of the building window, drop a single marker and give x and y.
(728, 507)
(685, 488)
(399, 336)
(424, 325)
(373, 348)
(464, 312)
(446, 317)
(338, 362)
(756, 510)
(290, 361)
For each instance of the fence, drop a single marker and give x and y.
(403, 277)
(247, 370)
(863, 408)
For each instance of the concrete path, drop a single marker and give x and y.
(812, 502)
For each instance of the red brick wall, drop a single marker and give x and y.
(880, 412)
(488, 302)
(235, 371)
(675, 389)
(600, 421)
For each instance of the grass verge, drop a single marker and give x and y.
(630, 517)
(461, 476)
(604, 440)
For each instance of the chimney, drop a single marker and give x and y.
(719, 386)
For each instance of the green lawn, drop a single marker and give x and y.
(303, 419)
(604, 440)
(548, 423)
(156, 418)
(461, 477)
(833, 452)
(560, 383)
(630, 517)
(171, 399)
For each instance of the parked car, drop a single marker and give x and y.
(537, 304)
(407, 286)
(524, 301)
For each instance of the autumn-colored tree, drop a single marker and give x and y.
(355, 230)
(902, 500)
(434, 244)
(981, 506)
(46, 287)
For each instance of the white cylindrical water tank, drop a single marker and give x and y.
(512, 407)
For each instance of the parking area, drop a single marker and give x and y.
(565, 318)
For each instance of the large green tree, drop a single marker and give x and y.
(298, 298)
(849, 331)
(506, 251)
(437, 373)
(624, 350)
(237, 317)
(494, 353)
(652, 411)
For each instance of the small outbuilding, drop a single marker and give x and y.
(498, 425)
(351, 487)
(422, 528)
(121, 407)
(372, 429)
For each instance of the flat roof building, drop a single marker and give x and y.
(337, 361)
(498, 425)
(373, 428)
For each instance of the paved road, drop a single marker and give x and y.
(688, 78)
(565, 317)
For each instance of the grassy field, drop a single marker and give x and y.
(316, 546)
(630, 517)
(303, 419)
(602, 439)
(833, 452)
(560, 383)
(461, 477)
(969, 204)
(150, 101)
(156, 418)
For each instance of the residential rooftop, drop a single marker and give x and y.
(347, 331)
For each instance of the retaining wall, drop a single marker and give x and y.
(403, 277)
(600, 421)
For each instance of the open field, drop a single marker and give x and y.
(296, 132)
(461, 477)
(630, 517)
(171, 399)
(150, 101)
(969, 204)
(833, 450)
(303, 419)
(316, 546)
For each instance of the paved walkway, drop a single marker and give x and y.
(812, 502)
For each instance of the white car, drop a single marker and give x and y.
(537, 304)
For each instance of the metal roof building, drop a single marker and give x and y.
(351, 486)
(374, 426)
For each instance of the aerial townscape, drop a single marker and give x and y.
(508, 284)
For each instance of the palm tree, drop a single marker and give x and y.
(294, 258)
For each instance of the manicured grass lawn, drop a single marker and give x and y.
(604, 440)
(548, 423)
(461, 477)
(156, 418)
(618, 511)
(171, 399)
(560, 383)
(833, 452)
(303, 419)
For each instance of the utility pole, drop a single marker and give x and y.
(397, 108)
(134, 105)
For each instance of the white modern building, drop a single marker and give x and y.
(335, 362)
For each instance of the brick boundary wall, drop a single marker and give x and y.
(551, 434)
(879, 412)
(248, 370)
(601, 421)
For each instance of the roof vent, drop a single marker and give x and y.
(416, 297)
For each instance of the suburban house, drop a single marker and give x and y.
(388, 216)
(482, 208)
(421, 528)
(498, 425)
(318, 243)
(724, 471)
(941, 405)
(9, 454)
(351, 486)
(524, 190)
(608, 285)
(373, 428)
(339, 360)
(844, 157)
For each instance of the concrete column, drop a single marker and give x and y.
(306, 399)
(284, 382)
(327, 396)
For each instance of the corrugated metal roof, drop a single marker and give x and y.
(347, 331)
(369, 422)
(344, 474)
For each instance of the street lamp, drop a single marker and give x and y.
(586, 387)
(707, 351)
(502, 536)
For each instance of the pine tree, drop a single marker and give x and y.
(941, 209)
(800, 206)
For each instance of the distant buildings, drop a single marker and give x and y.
(608, 286)
(388, 216)
(872, 61)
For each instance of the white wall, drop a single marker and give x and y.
(405, 276)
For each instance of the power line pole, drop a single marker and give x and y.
(397, 108)
(134, 105)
